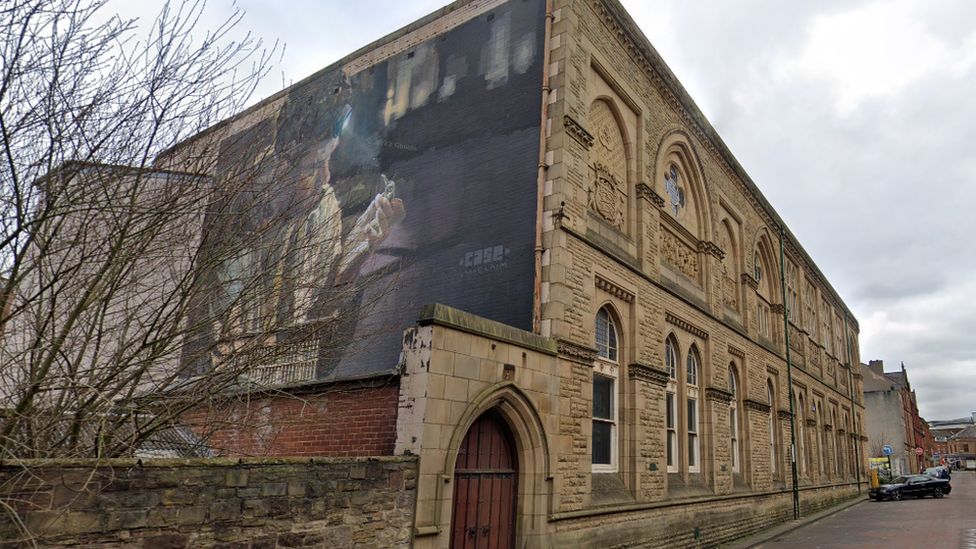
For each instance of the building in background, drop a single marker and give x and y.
(893, 419)
(953, 439)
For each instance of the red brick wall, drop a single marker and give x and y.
(335, 420)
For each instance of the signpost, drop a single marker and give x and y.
(887, 450)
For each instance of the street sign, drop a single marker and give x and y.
(919, 451)
(887, 450)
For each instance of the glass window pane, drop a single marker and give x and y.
(671, 437)
(602, 397)
(602, 434)
(692, 458)
(692, 415)
(670, 410)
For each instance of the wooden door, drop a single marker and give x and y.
(485, 479)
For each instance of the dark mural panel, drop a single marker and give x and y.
(371, 194)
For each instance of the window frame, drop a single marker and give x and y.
(607, 366)
(734, 421)
(692, 408)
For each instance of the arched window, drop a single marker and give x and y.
(671, 403)
(734, 420)
(823, 439)
(772, 430)
(833, 422)
(606, 335)
(605, 389)
(691, 401)
(800, 421)
(671, 358)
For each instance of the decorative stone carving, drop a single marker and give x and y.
(796, 340)
(735, 351)
(650, 374)
(575, 130)
(647, 193)
(777, 309)
(606, 197)
(686, 326)
(679, 254)
(748, 280)
(841, 431)
(712, 248)
(613, 289)
(772, 369)
(576, 352)
(811, 423)
(756, 405)
(864, 438)
(718, 395)
(730, 290)
(784, 414)
(828, 427)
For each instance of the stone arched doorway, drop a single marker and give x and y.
(485, 486)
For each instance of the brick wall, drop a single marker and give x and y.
(332, 420)
(320, 502)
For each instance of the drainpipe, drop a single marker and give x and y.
(541, 176)
(789, 374)
(850, 386)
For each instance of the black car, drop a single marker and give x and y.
(911, 486)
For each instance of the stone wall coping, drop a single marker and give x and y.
(449, 317)
(93, 463)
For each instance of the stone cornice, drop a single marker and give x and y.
(772, 370)
(613, 289)
(737, 352)
(577, 131)
(650, 374)
(748, 280)
(709, 247)
(811, 423)
(784, 414)
(777, 309)
(828, 427)
(575, 351)
(685, 325)
(855, 436)
(647, 193)
(864, 438)
(756, 405)
(718, 395)
(841, 431)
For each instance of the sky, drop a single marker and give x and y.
(855, 118)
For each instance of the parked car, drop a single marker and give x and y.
(913, 486)
(938, 472)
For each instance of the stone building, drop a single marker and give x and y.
(663, 337)
(892, 419)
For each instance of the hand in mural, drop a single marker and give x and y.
(373, 226)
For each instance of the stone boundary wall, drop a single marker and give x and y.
(225, 503)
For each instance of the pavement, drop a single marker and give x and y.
(947, 523)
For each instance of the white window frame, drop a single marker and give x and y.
(608, 370)
(772, 432)
(609, 348)
(671, 417)
(607, 366)
(734, 421)
(692, 425)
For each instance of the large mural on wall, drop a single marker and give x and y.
(370, 191)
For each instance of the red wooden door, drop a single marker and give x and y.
(485, 487)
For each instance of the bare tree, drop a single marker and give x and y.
(110, 262)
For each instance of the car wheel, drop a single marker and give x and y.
(937, 493)
(896, 496)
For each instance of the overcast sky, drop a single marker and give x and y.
(857, 120)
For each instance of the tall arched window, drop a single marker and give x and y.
(605, 389)
(671, 403)
(691, 400)
(823, 439)
(833, 422)
(799, 420)
(772, 431)
(734, 420)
